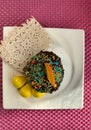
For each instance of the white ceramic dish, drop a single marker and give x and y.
(69, 45)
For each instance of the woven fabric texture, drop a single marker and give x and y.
(50, 13)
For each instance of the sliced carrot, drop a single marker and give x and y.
(50, 74)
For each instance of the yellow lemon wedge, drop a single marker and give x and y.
(18, 81)
(26, 91)
(50, 74)
(37, 94)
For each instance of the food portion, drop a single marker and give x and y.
(19, 81)
(37, 94)
(50, 74)
(26, 91)
(44, 72)
(24, 88)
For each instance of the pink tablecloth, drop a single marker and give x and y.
(50, 13)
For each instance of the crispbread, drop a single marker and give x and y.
(24, 42)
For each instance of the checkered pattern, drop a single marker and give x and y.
(50, 13)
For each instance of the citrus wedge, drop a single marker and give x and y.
(50, 74)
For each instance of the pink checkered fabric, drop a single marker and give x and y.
(50, 13)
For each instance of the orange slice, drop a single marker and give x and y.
(50, 74)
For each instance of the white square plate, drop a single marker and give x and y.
(69, 45)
